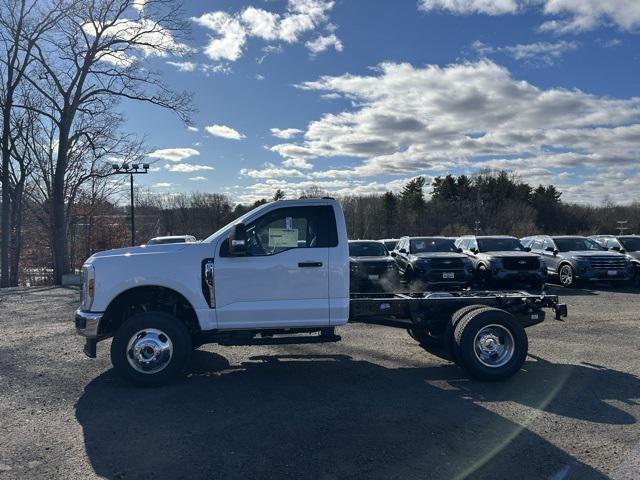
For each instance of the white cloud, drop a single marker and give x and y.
(187, 168)
(224, 132)
(571, 16)
(233, 31)
(183, 66)
(286, 133)
(406, 120)
(198, 179)
(162, 185)
(191, 128)
(321, 44)
(271, 171)
(540, 52)
(174, 154)
(465, 7)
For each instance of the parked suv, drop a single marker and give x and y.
(574, 258)
(372, 268)
(628, 245)
(502, 258)
(434, 261)
(390, 243)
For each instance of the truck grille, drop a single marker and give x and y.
(446, 263)
(608, 263)
(374, 268)
(524, 263)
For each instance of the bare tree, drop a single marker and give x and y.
(82, 69)
(22, 25)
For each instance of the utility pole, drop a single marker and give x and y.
(131, 170)
(477, 227)
(622, 226)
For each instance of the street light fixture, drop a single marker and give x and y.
(131, 170)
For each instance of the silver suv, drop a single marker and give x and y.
(573, 258)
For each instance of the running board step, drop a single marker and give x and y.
(228, 342)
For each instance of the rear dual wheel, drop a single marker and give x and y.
(490, 344)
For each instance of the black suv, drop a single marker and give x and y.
(372, 268)
(503, 258)
(580, 258)
(433, 261)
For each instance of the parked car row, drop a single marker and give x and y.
(444, 262)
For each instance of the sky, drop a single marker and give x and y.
(360, 96)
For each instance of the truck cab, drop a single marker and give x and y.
(283, 265)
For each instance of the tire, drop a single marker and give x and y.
(408, 275)
(567, 275)
(455, 318)
(635, 279)
(164, 348)
(490, 344)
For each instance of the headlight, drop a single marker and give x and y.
(88, 287)
(354, 267)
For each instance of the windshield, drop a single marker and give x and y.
(577, 244)
(631, 244)
(390, 244)
(500, 245)
(367, 249)
(423, 245)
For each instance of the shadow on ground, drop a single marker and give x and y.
(330, 417)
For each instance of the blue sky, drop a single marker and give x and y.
(367, 94)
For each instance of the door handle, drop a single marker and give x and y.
(310, 264)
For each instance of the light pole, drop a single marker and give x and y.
(131, 170)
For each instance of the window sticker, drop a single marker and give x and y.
(288, 223)
(283, 238)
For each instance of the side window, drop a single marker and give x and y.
(472, 243)
(547, 243)
(295, 227)
(464, 243)
(536, 245)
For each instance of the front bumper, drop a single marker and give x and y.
(524, 276)
(361, 280)
(88, 323)
(599, 276)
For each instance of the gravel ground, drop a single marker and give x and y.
(371, 406)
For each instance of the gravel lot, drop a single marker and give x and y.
(372, 406)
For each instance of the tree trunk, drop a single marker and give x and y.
(59, 242)
(6, 196)
(16, 235)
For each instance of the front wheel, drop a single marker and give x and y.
(151, 349)
(567, 276)
(490, 344)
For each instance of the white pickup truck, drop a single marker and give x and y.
(280, 271)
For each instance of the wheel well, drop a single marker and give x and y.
(563, 263)
(147, 299)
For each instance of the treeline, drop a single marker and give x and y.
(485, 203)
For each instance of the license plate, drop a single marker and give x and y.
(612, 273)
(448, 275)
(374, 277)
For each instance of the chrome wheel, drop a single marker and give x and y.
(149, 350)
(566, 275)
(494, 346)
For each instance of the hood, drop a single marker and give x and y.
(141, 250)
(370, 259)
(439, 255)
(591, 253)
(510, 254)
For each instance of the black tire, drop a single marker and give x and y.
(567, 276)
(171, 329)
(499, 326)
(455, 318)
(409, 275)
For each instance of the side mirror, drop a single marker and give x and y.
(615, 249)
(527, 249)
(475, 251)
(238, 240)
(393, 253)
(556, 252)
(550, 249)
(459, 250)
(402, 250)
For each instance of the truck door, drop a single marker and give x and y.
(283, 280)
